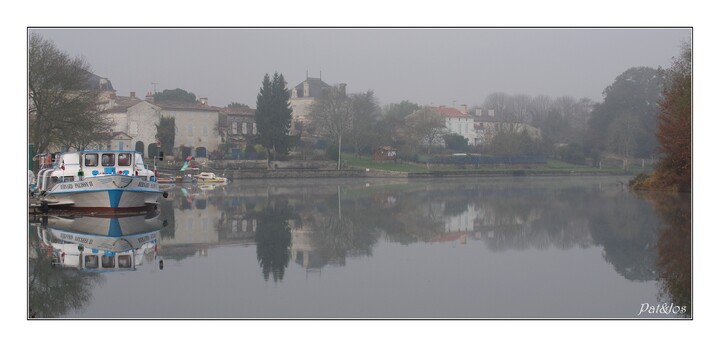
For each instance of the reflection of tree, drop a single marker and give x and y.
(674, 247)
(344, 228)
(273, 239)
(625, 228)
(53, 292)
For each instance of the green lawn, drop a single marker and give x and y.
(367, 162)
(550, 167)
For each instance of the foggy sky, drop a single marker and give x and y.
(428, 66)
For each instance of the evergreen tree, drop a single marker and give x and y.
(273, 116)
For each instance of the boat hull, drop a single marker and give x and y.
(113, 192)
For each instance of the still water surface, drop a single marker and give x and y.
(467, 248)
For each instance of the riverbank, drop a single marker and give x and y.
(365, 168)
(378, 173)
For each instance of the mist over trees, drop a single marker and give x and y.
(625, 122)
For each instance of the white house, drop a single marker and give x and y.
(458, 121)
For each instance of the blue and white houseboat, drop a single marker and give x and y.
(98, 180)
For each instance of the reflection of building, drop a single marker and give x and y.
(195, 221)
(462, 222)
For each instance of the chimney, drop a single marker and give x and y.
(463, 108)
(306, 89)
(132, 95)
(149, 97)
(342, 88)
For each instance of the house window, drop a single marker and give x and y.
(108, 159)
(234, 128)
(254, 130)
(121, 145)
(244, 128)
(91, 159)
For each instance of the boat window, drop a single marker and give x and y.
(124, 261)
(70, 159)
(91, 261)
(108, 261)
(124, 159)
(91, 159)
(108, 159)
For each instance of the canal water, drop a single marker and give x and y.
(454, 248)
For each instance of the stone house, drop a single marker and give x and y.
(196, 122)
(236, 126)
(136, 118)
(302, 97)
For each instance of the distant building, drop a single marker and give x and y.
(302, 97)
(487, 127)
(137, 119)
(236, 127)
(385, 153)
(458, 121)
(196, 124)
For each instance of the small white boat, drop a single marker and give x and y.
(101, 244)
(210, 178)
(101, 180)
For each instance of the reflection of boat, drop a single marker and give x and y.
(101, 244)
(98, 180)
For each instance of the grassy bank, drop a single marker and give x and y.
(551, 167)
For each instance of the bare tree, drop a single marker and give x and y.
(366, 113)
(621, 138)
(540, 108)
(424, 127)
(519, 108)
(332, 115)
(61, 104)
(499, 102)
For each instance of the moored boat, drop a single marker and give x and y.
(210, 178)
(98, 180)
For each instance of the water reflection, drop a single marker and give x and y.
(319, 225)
(583, 234)
(68, 254)
(674, 247)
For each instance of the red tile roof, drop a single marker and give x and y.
(450, 112)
